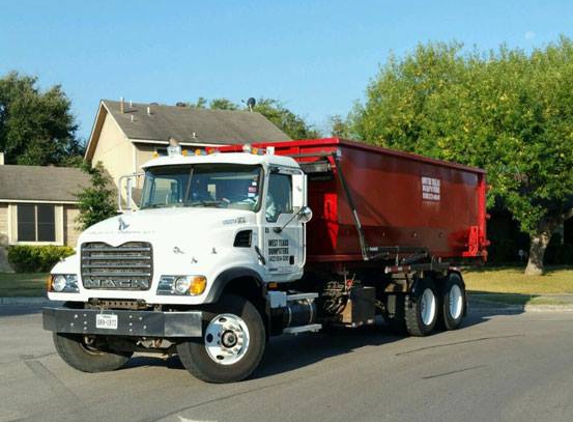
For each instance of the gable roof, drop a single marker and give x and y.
(35, 183)
(188, 125)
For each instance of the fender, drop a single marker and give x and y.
(227, 276)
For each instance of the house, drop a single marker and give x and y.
(38, 206)
(125, 135)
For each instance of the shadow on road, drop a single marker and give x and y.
(287, 353)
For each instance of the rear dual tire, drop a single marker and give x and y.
(453, 302)
(428, 307)
(421, 310)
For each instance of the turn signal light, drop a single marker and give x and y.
(198, 285)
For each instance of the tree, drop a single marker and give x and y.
(287, 121)
(96, 202)
(223, 104)
(339, 127)
(507, 111)
(36, 128)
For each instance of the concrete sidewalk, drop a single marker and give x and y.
(545, 303)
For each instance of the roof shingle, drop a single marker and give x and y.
(35, 183)
(193, 125)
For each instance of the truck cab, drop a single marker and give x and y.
(208, 225)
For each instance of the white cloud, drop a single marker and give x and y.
(529, 35)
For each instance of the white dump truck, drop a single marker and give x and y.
(218, 257)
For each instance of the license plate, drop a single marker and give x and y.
(106, 321)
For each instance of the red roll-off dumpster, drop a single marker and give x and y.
(401, 200)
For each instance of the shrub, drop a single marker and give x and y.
(34, 259)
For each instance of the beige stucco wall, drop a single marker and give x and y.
(144, 153)
(114, 150)
(3, 224)
(71, 232)
(4, 266)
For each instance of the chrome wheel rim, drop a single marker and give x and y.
(456, 301)
(428, 307)
(226, 339)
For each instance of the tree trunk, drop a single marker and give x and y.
(539, 242)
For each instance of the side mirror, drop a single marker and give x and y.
(128, 181)
(304, 214)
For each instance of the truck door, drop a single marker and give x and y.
(284, 236)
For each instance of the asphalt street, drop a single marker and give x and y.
(496, 368)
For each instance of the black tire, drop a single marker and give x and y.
(76, 353)
(449, 320)
(196, 359)
(416, 322)
(393, 313)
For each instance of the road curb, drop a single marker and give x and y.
(483, 306)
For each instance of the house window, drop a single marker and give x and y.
(36, 223)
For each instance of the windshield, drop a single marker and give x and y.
(203, 185)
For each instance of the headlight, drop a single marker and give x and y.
(193, 285)
(182, 285)
(64, 283)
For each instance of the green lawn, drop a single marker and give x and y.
(557, 280)
(12, 285)
(510, 286)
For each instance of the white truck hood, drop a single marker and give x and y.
(168, 224)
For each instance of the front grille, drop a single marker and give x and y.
(125, 267)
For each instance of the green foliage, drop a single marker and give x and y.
(223, 104)
(507, 111)
(33, 259)
(340, 128)
(293, 125)
(96, 202)
(290, 123)
(36, 128)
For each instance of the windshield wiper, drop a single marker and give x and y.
(207, 203)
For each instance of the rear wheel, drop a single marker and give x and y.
(233, 342)
(84, 354)
(453, 303)
(421, 309)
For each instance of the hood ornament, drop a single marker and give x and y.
(122, 224)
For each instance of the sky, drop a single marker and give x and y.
(317, 57)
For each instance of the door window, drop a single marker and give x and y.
(279, 196)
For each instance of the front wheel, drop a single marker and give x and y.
(84, 354)
(232, 346)
(422, 308)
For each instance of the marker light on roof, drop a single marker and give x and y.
(247, 148)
